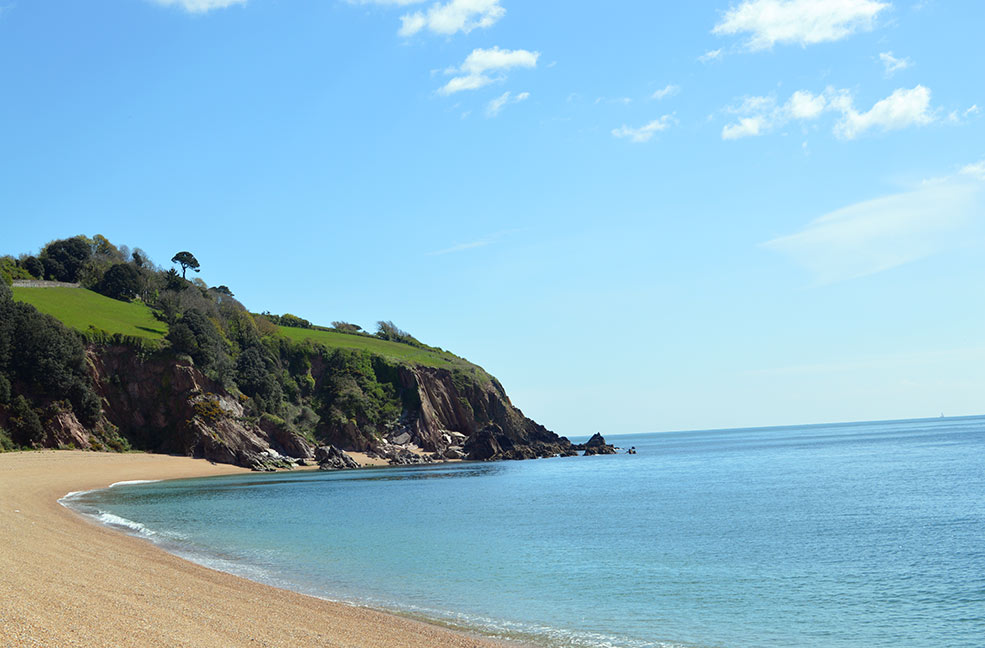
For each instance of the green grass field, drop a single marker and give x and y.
(91, 313)
(85, 310)
(395, 350)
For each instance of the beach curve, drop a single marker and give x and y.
(67, 581)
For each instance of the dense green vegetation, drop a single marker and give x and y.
(401, 352)
(265, 359)
(42, 374)
(90, 312)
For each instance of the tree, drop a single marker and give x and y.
(64, 259)
(121, 281)
(185, 260)
(224, 290)
(173, 281)
(33, 265)
(346, 327)
(388, 331)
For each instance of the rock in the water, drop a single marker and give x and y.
(331, 458)
(595, 446)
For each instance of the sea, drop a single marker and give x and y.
(852, 535)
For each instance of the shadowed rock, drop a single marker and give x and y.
(331, 458)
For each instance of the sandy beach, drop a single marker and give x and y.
(65, 581)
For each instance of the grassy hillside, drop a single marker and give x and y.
(395, 350)
(91, 312)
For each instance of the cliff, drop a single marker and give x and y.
(163, 403)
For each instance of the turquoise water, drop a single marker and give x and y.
(852, 535)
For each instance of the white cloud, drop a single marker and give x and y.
(387, 2)
(892, 65)
(901, 109)
(199, 6)
(801, 22)
(761, 115)
(876, 235)
(745, 127)
(804, 105)
(711, 55)
(646, 132)
(496, 105)
(668, 91)
(473, 72)
(451, 17)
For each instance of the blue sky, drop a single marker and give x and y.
(640, 216)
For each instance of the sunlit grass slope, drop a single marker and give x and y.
(95, 315)
(395, 350)
(91, 312)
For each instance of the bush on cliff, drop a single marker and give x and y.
(42, 360)
(6, 443)
(25, 423)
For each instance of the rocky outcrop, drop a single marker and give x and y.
(64, 430)
(473, 418)
(595, 446)
(331, 458)
(164, 404)
(159, 402)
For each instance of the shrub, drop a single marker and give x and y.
(294, 321)
(12, 270)
(26, 424)
(6, 443)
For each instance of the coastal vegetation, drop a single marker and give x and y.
(80, 358)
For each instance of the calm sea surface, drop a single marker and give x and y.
(853, 535)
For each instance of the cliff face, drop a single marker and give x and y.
(476, 419)
(166, 405)
(169, 406)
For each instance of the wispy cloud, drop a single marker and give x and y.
(711, 55)
(798, 22)
(199, 6)
(613, 100)
(496, 105)
(880, 234)
(762, 115)
(471, 245)
(667, 91)
(476, 71)
(892, 65)
(646, 132)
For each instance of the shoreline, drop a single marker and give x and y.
(70, 581)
